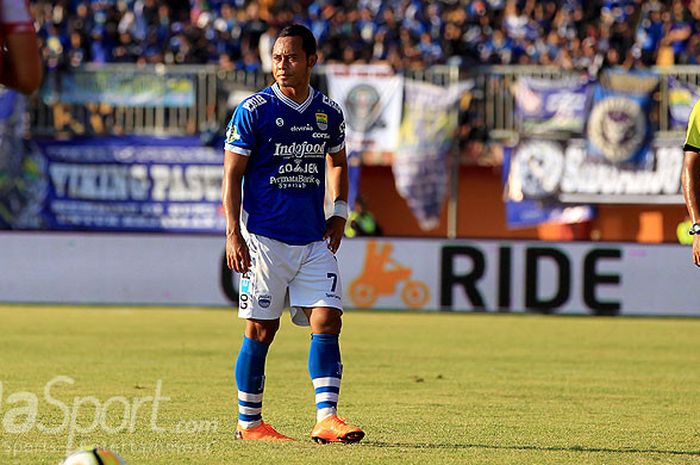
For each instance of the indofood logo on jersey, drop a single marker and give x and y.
(322, 121)
(299, 150)
(617, 128)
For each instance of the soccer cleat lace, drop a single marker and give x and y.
(335, 429)
(262, 432)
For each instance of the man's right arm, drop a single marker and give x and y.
(689, 181)
(237, 255)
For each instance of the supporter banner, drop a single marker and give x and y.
(122, 88)
(130, 184)
(370, 96)
(566, 171)
(16, 171)
(618, 129)
(545, 105)
(521, 212)
(420, 165)
(627, 80)
(402, 274)
(681, 99)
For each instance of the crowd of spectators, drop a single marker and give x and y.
(238, 34)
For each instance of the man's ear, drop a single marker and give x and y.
(312, 60)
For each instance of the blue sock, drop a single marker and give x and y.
(250, 378)
(325, 370)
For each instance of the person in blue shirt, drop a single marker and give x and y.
(278, 144)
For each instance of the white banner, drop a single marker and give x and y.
(370, 96)
(420, 165)
(492, 276)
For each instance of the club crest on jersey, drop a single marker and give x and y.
(322, 121)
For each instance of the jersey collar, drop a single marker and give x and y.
(300, 107)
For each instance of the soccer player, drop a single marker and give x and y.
(20, 65)
(278, 145)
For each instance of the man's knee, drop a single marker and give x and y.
(326, 321)
(262, 330)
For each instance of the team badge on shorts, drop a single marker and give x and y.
(264, 300)
(322, 121)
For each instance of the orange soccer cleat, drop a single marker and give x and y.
(262, 432)
(335, 429)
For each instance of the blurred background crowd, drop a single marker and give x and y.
(238, 34)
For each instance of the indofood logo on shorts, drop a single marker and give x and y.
(617, 128)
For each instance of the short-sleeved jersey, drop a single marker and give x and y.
(287, 142)
(692, 137)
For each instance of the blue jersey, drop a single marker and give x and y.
(286, 142)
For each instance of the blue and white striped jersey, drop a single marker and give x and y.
(287, 142)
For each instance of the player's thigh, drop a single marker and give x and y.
(264, 287)
(317, 283)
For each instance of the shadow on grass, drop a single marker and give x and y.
(606, 450)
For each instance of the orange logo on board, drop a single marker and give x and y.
(382, 275)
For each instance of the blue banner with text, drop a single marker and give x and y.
(130, 184)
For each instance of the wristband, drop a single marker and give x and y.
(340, 208)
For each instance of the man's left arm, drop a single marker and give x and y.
(338, 184)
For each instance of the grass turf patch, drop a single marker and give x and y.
(427, 388)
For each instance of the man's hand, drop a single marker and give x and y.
(696, 250)
(335, 228)
(237, 254)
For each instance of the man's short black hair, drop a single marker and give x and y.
(307, 37)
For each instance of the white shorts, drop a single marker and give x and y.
(281, 275)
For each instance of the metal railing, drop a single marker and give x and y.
(216, 92)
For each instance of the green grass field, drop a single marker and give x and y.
(427, 388)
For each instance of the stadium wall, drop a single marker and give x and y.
(405, 274)
(482, 213)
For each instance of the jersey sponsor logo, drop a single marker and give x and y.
(298, 167)
(322, 121)
(331, 104)
(321, 135)
(296, 181)
(232, 135)
(300, 150)
(245, 285)
(254, 102)
(243, 301)
(279, 122)
(264, 300)
(308, 127)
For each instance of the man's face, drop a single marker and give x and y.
(290, 65)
